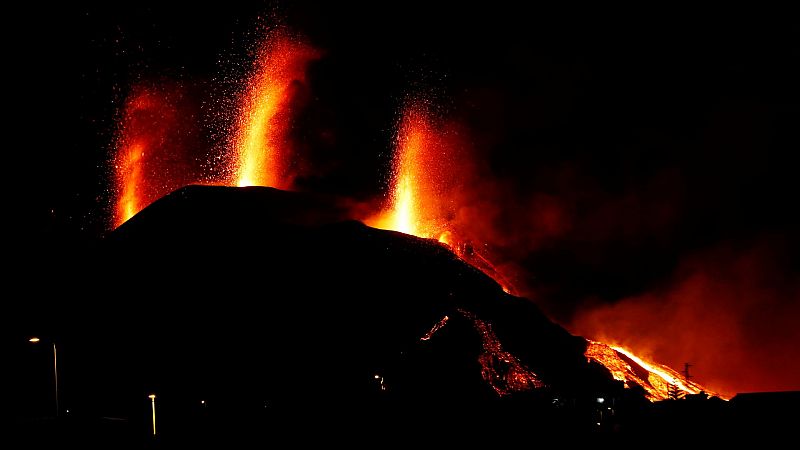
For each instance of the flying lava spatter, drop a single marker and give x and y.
(261, 130)
(413, 205)
(148, 163)
(416, 208)
(151, 157)
(127, 163)
(149, 160)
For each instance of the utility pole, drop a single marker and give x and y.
(686, 366)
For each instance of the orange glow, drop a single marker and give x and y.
(423, 178)
(261, 134)
(504, 373)
(502, 370)
(130, 171)
(626, 367)
(425, 187)
(438, 326)
(414, 205)
(153, 152)
(153, 149)
(142, 129)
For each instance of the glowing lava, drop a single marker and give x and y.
(657, 380)
(420, 182)
(414, 205)
(424, 187)
(502, 370)
(153, 154)
(129, 176)
(132, 143)
(261, 134)
(148, 162)
(435, 328)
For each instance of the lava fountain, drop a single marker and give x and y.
(151, 156)
(414, 204)
(261, 129)
(427, 187)
(425, 173)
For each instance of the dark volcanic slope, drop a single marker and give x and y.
(256, 295)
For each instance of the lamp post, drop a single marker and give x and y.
(35, 340)
(152, 398)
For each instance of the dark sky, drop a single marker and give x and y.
(654, 137)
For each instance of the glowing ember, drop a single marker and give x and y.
(502, 370)
(130, 176)
(626, 367)
(435, 328)
(132, 143)
(414, 204)
(416, 208)
(261, 135)
(423, 177)
(149, 160)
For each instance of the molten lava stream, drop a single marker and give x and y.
(660, 378)
(261, 130)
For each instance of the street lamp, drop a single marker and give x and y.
(35, 340)
(152, 398)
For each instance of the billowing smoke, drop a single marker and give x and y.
(730, 312)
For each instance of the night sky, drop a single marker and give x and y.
(637, 168)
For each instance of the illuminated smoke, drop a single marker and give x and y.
(728, 312)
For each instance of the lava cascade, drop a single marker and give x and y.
(659, 382)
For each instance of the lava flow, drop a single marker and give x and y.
(420, 180)
(261, 130)
(659, 381)
(503, 371)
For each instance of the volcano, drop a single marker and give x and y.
(335, 300)
(276, 309)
